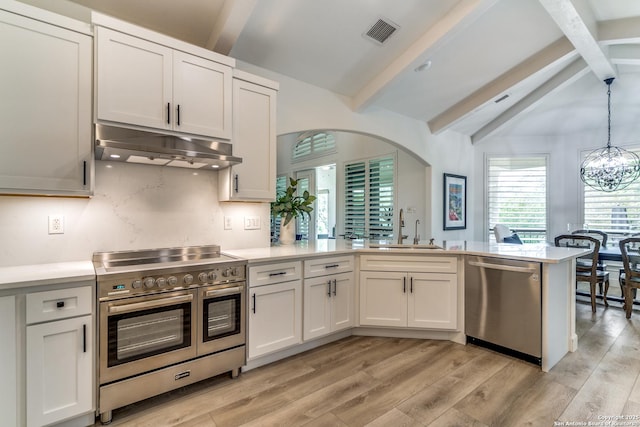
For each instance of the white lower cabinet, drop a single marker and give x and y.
(408, 298)
(8, 361)
(59, 365)
(328, 304)
(59, 355)
(275, 309)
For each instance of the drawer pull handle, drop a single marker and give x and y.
(332, 266)
(60, 304)
(282, 273)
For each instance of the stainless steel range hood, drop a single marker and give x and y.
(134, 146)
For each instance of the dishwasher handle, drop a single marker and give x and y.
(513, 268)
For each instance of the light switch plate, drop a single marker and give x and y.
(252, 223)
(227, 223)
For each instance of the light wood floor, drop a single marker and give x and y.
(364, 381)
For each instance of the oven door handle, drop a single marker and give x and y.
(150, 304)
(225, 291)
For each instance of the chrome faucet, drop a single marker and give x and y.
(416, 238)
(401, 236)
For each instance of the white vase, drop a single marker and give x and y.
(287, 232)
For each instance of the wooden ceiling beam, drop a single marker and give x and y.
(459, 18)
(581, 28)
(562, 79)
(229, 24)
(557, 51)
(619, 31)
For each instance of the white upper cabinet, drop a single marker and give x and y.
(254, 139)
(45, 103)
(152, 85)
(134, 80)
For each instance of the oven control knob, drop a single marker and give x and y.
(161, 282)
(227, 272)
(187, 279)
(148, 282)
(136, 284)
(172, 281)
(202, 277)
(213, 276)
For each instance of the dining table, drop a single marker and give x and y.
(610, 253)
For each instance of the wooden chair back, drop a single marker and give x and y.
(581, 241)
(600, 235)
(630, 251)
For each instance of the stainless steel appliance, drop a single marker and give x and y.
(167, 318)
(503, 306)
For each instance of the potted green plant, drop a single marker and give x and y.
(290, 205)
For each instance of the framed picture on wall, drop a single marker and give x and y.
(455, 202)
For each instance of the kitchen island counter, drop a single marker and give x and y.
(304, 249)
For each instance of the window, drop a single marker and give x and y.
(369, 198)
(517, 196)
(314, 145)
(616, 213)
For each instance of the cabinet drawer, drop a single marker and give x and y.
(322, 266)
(408, 263)
(274, 273)
(59, 304)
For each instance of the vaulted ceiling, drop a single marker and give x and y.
(479, 67)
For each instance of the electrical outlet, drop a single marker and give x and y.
(56, 224)
(227, 223)
(252, 223)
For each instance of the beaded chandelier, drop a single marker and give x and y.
(610, 168)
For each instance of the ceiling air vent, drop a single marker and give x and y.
(380, 31)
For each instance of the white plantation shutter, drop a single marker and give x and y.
(281, 188)
(617, 213)
(320, 143)
(369, 198)
(517, 195)
(302, 226)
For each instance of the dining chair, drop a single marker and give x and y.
(630, 279)
(600, 235)
(587, 273)
(500, 231)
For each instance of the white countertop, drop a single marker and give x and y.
(535, 252)
(45, 274)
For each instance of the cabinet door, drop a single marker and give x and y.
(254, 139)
(45, 108)
(134, 80)
(342, 302)
(201, 96)
(275, 317)
(8, 360)
(383, 298)
(317, 307)
(59, 370)
(433, 300)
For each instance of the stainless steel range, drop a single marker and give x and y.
(167, 318)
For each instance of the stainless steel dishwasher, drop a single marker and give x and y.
(503, 307)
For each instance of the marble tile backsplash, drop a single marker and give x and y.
(133, 207)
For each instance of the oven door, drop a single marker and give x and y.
(222, 317)
(144, 333)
